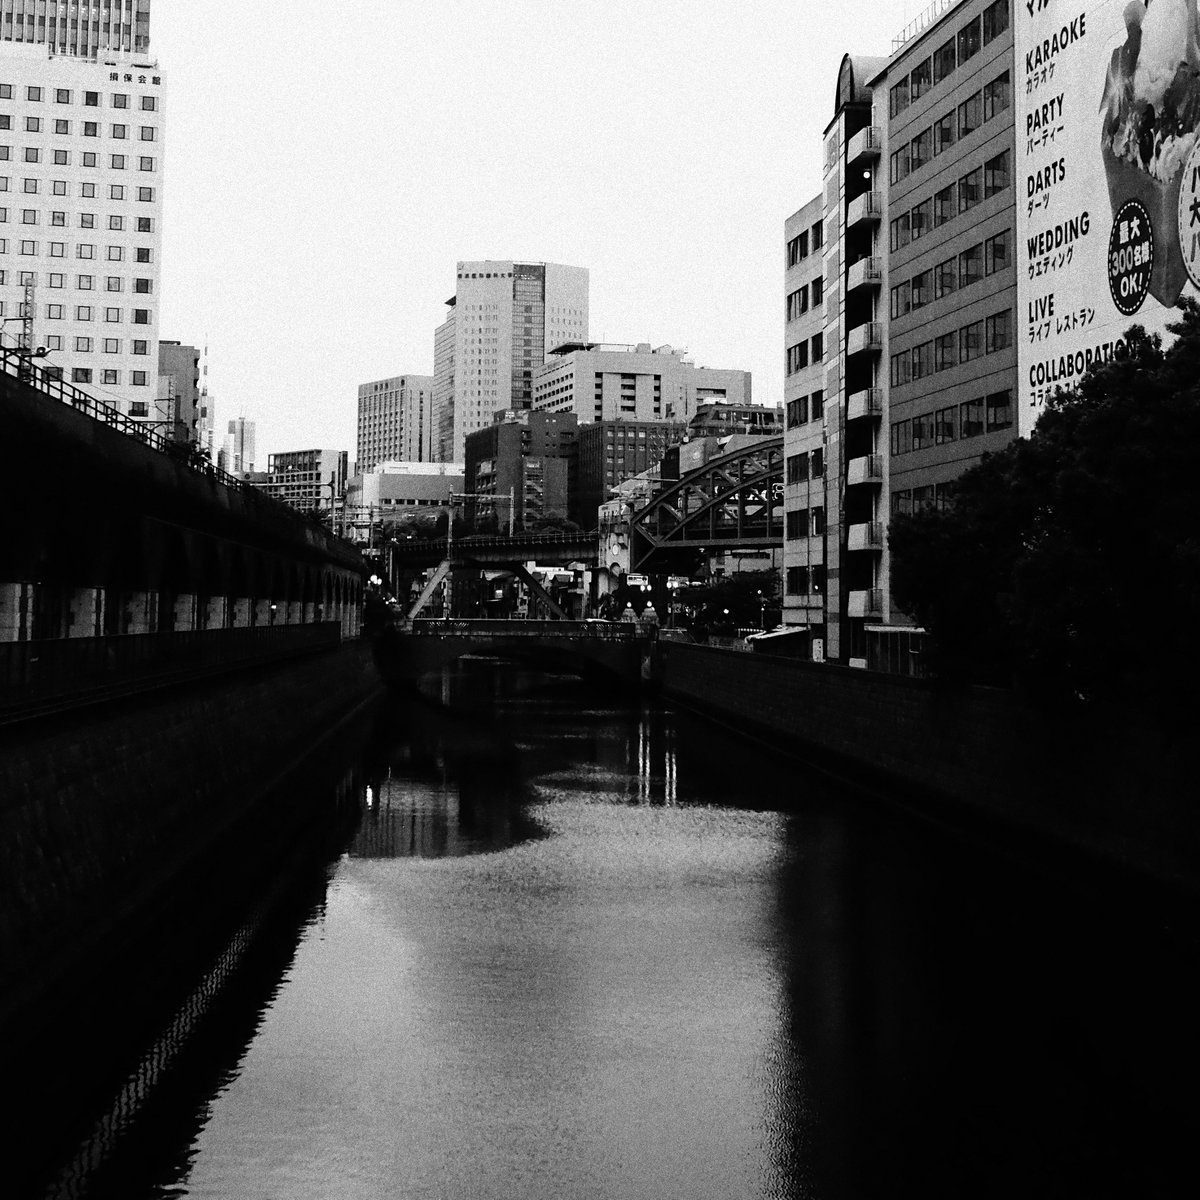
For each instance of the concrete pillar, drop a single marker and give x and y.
(216, 612)
(87, 613)
(262, 613)
(241, 612)
(15, 600)
(185, 613)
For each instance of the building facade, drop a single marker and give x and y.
(309, 480)
(504, 318)
(179, 391)
(81, 169)
(622, 382)
(612, 452)
(236, 454)
(393, 489)
(395, 420)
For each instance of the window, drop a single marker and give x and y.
(87, 190)
(54, 312)
(29, 247)
(62, 158)
(5, 91)
(818, 463)
(5, 151)
(120, 100)
(900, 163)
(142, 254)
(943, 133)
(84, 282)
(115, 253)
(144, 287)
(797, 249)
(995, 20)
(141, 316)
(83, 345)
(970, 418)
(797, 581)
(56, 279)
(999, 411)
(797, 468)
(970, 266)
(31, 186)
(32, 154)
(141, 347)
(145, 224)
(26, 278)
(118, 162)
(970, 189)
(818, 521)
(33, 93)
(797, 303)
(943, 205)
(998, 331)
(797, 412)
(33, 124)
(147, 133)
(797, 357)
(145, 164)
(112, 315)
(120, 131)
(91, 99)
(110, 376)
(900, 232)
(796, 524)
(943, 61)
(817, 405)
(922, 289)
(970, 341)
(818, 290)
(921, 219)
(945, 278)
(901, 368)
(5, 121)
(59, 187)
(149, 104)
(922, 432)
(83, 250)
(945, 425)
(995, 96)
(146, 193)
(83, 312)
(818, 339)
(116, 191)
(137, 378)
(112, 345)
(81, 374)
(62, 96)
(995, 175)
(922, 360)
(901, 300)
(818, 236)
(54, 342)
(91, 129)
(920, 79)
(902, 503)
(970, 114)
(997, 252)
(898, 97)
(969, 43)
(943, 352)
(87, 220)
(116, 222)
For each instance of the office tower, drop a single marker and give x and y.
(504, 319)
(81, 146)
(395, 420)
(307, 479)
(179, 396)
(237, 451)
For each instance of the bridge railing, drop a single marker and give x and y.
(613, 631)
(53, 674)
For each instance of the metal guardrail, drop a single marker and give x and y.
(54, 674)
(611, 631)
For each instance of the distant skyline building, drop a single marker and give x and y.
(395, 421)
(81, 154)
(505, 317)
(237, 451)
(624, 382)
(179, 389)
(307, 479)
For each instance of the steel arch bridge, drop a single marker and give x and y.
(734, 502)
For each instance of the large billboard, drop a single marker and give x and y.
(1108, 212)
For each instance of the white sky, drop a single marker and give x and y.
(324, 176)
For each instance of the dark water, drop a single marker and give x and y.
(557, 946)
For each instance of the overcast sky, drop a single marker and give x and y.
(324, 176)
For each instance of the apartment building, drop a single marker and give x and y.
(395, 420)
(81, 169)
(611, 452)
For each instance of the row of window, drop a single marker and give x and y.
(960, 49)
(951, 274)
(913, 500)
(804, 244)
(955, 198)
(107, 376)
(86, 345)
(952, 126)
(146, 133)
(87, 191)
(958, 346)
(58, 220)
(804, 522)
(90, 99)
(85, 312)
(798, 356)
(798, 301)
(87, 283)
(83, 250)
(986, 414)
(62, 158)
(804, 409)
(802, 467)
(804, 581)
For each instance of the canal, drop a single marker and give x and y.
(526, 940)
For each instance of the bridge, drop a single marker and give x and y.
(619, 651)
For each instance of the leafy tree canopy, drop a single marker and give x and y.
(1069, 562)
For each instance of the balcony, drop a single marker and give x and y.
(865, 146)
(864, 337)
(867, 272)
(867, 207)
(867, 469)
(867, 536)
(868, 603)
(867, 403)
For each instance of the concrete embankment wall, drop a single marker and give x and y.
(1113, 785)
(99, 809)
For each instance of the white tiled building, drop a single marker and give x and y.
(81, 169)
(394, 420)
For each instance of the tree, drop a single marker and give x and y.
(1069, 562)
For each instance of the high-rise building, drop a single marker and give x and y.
(237, 451)
(395, 420)
(307, 479)
(179, 389)
(81, 163)
(619, 382)
(504, 319)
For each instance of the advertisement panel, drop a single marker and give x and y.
(1108, 212)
